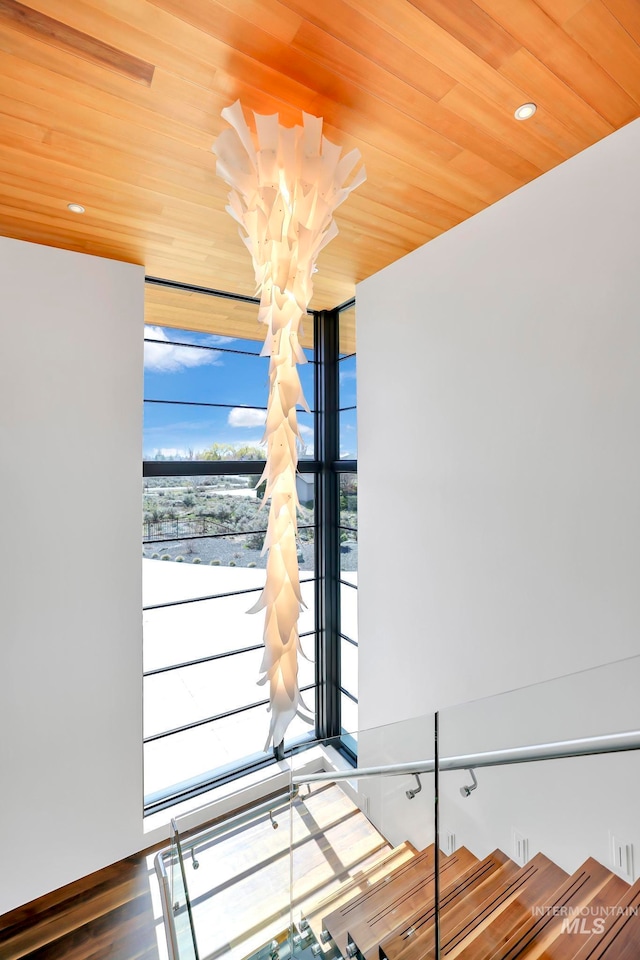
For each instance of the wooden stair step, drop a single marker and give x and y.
(502, 914)
(573, 936)
(336, 923)
(400, 900)
(458, 902)
(466, 921)
(620, 938)
(536, 933)
(363, 880)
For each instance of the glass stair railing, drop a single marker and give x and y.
(228, 885)
(503, 828)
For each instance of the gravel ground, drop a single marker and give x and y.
(235, 552)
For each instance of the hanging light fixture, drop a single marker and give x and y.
(284, 189)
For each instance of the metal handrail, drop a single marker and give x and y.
(199, 838)
(558, 750)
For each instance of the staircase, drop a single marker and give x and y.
(490, 909)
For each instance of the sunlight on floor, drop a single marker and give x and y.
(245, 880)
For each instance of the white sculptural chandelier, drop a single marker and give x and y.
(284, 189)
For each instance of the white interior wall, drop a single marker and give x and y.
(384, 798)
(70, 571)
(566, 809)
(498, 406)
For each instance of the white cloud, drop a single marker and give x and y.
(159, 358)
(303, 428)
(247, 417)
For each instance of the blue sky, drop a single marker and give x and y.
(176, 370)
(210, 375)
(348, 424)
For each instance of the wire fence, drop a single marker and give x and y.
(179, 528)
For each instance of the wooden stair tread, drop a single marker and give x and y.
(535, 933)
(620, 939)
(506, 911)
(389, 910)
(336, 923)
(403, 940)
(513, 885)
(489, 910)
(365, 878)
(563, 947)
(458, 903)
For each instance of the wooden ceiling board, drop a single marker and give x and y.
(538, 152)
(607, 42)
(555, 98)
(363, 42)
(425, 89)
(417, 32)
(561, 10)
(467, 23)
(79, 44)
(529, 26)
(147, 33)
(627, 13)
(182, 309)
(493, 184)
(550, 43)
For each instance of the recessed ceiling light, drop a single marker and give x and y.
(75, 207)
(525, 111)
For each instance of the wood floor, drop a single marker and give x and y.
(109, 914)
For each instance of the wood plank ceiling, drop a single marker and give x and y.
(114, 104)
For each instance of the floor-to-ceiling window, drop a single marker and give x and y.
(203, 529)
(204, 521)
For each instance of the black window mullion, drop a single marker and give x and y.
(201, 723)
(213, 596)
(195, 663)
(354, 643)
(220, 406)
(213, 468)
(207, 346)
(217, 656)
(327, 515)
(218, 536)
(218, 716)
(206, 403)
(347, 584)
(345, 466)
